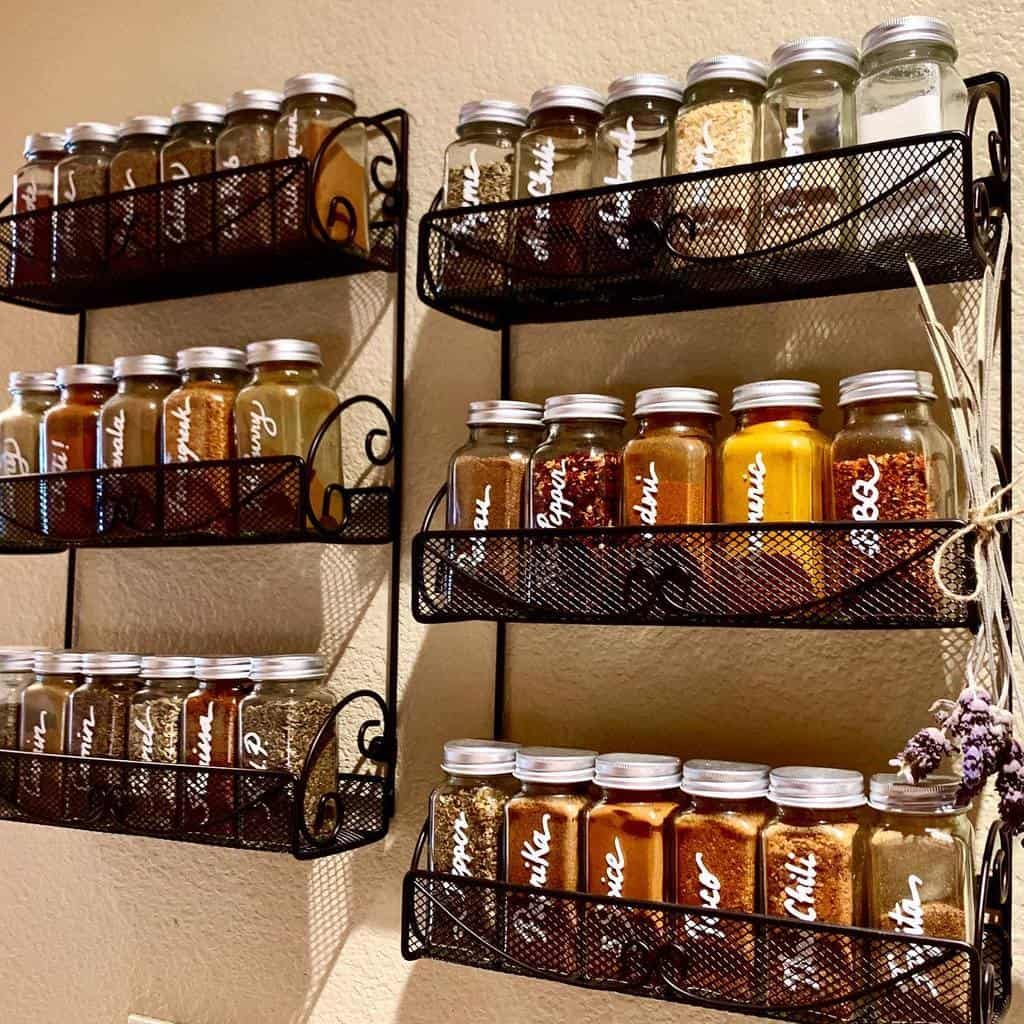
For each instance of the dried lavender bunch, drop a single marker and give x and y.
(1010, 787)
(924, 752)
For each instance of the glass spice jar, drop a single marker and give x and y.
(154, 733)
(668, 469)
(33, 195)
(16, 666)
(576, 472)
(68, 442)
(813, 867)
(280, 412)
(209, 739)
(32, 394)
(99, 708)
(314, 105)
(136, 164)
(248, 134)
(130, 420)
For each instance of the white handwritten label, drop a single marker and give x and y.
(59, 455)
(704, 152)
(87, 735)
(461, 860)
(204, 742)
(471, 181)
(294, 147)
(256, 753)
(803, 874)
(535, 853)
(482, 510)
(710, 897)
(39, 734)
(30, 196)
(116, 434)
(541, 183)
(908, 918)
(648, 507)
(625, 144)
(260, 423)
(232, 163)
(559, 507)
(182, 416)
(794, 142)
(614, 877)
(13, 460)
(148, 731)
(865, 510)
(756, 475)
(71, 192)
(908, 914)
(129, 178)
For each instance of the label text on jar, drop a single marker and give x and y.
(704, 152)
(116, 433)
(260, 423)
(204, 742)
(865, 495)
(558, 505)
(471, 181)
(536, 851)
(254, 750)
(148, 731)
(614, 877)
(803, 873)
(908, 916)
(88, 733)
(461, 859)
(59, 453)
(648, 507)
(13, 461)
(183, 416)
(710, 897)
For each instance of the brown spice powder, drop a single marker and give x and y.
(895, 484)
(488, 493)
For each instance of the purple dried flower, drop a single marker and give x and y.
(923, 753)
(1010, 787)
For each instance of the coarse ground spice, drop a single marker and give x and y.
(895, 486)
(714, 135)
(154, 737)
(495, 185)
(578, 489)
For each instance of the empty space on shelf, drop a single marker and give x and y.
(824, 575)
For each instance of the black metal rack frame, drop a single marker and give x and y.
(133, 266)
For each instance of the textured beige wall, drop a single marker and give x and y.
(96, 926)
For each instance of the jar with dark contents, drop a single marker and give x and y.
(33, 196)
(544, 837)
(210, 740)
(16, 665)
(247, 137)
(136, 164)
(130, 419)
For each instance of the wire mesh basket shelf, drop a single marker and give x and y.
(799, 227)
(743, 963)
(249, 227)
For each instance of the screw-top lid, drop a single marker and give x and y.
(913, 29)
(288, 667)
(92, 131)
(637, 771)
(766, 394)
(645, 84)
(479, 757)
(502, 111)
(211, 357)
(254, 99)
(698, 401)
(206, 113)
(575, 96)
(32, 380)
(826, 788)
(102, 664)
(45, 142)
(936, 795)
(317, 82)
(730, 66)
(84, 373)
(144, 366)
(17, 659)
(144, 124)
(554, 764)
(816, 48)
(727, 780)
(583, 407)
(283, 350)
(505, 414)
(223, 666)
(57, 663)
(153, 666)
(881, 384)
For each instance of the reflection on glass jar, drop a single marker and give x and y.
(32, 195)
(16, 665)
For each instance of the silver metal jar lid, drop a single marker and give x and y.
(699, 401)
(144, 124)
(287, 667)
(583, 407)
(92, 131)
(915, 28)
(505, 414)
(32, 380)
(103, 664)
(211, 357)
(882, 384)
(637, 771)
(502, 111)
(727, 66)
(826, 788)
(316, 82)
(936, 795)
(223, 666)
(255, 99)
(205, 113)
(727, 780)
(283, 350)
(57, 663)
(816, 48)
(153, 666)
(479, 757)
(577, 96)
(44, 142)
(144, 366)
(84, 373)
(18, 659)
(645, 84)
(554, 764)
(766, 394)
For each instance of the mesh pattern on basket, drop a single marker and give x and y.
(810, 575)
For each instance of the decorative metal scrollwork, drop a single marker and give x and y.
(990, 191)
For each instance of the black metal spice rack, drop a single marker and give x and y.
(255, 227)
(635, 249)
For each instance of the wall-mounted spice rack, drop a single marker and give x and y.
(743, 963)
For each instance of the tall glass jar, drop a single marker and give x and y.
(486, 475)
(68, 442)
(280, 719)
(314, 105)
(576, 473)
(248, 134)
(280, 412)
(479, 164)
(16, 666)
(100, 707)
(134, 216)
(130, 420)
(33, 195)
(32, 394)
(668, 469)
(136, 163)
(154, 732)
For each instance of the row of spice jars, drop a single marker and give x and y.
(818, 94)
(565, 465)
(793, 842)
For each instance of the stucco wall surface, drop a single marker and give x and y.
(96, 927)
